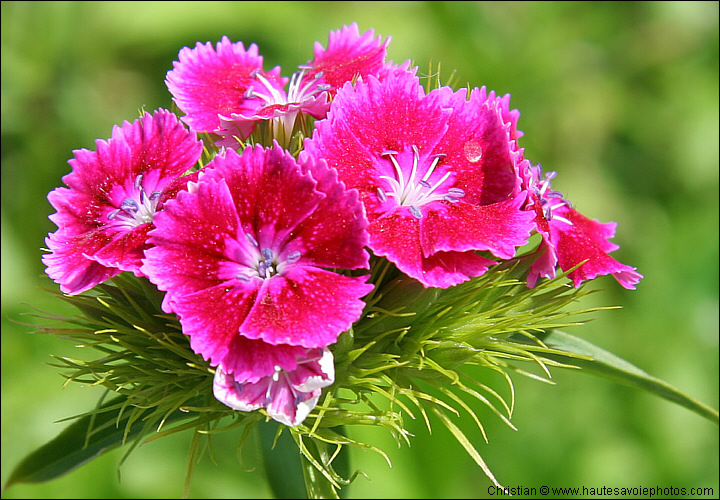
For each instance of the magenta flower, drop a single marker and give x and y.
(104, 216)
(348, 56)
(436, 172)
(289, 394)
(207, 83)
(570, 238)
(227, 93)
(242, 253)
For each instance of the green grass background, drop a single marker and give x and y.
(621, 99)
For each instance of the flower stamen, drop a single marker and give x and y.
(139, 209)
(265, 263)
(549, 200)
(415, 193)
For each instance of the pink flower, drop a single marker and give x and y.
(207, 83)
(288, 393)
(436, 173)
(226, 91)
(114, 193)
(349, 56)
(569, 237)
(242, 253)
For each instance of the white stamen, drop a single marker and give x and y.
(381, 195)
(138, 209)
(415, 192)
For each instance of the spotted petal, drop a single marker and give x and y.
(437, 174)
(586, 239)
(207, 82)
(499, 228)
(348, 56)
(306, 306)
(238, 254)
(397, 237)
(138, 168)
(478, 147)
(373, 117)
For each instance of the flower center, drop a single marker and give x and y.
(139, 209)
(298, 91)
(265, 263)
(278, 379)
(281, 376)
(549, 200)
(419, 188)
(283, 108)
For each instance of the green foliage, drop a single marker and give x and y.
(405, 357)
(408, 348)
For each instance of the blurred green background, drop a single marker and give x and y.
(621, 99)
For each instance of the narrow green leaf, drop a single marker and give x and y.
(610, 366)
(465, 442)
(69, 449)
(281, 459)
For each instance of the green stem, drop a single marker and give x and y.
(316, 484)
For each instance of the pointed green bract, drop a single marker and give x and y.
(407, 357)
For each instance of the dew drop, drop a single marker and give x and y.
(473, 151)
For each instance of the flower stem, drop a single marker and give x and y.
(316, 484)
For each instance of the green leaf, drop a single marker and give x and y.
(607, 365)
(281, 459)
(85, 439)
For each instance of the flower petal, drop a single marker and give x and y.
(315, 371)
(68, 266)
(291, 407)
(334, 234)
(397, 237)
(124, 250)
(208, 82)
(545, 264)
(135, 166)
(195, 241)
(478, 148)
(250, 360)
(269, 191)
(212, 317)
(306, 306)
(288, 395)
(584, 239)
(499, 228)
(373, 117)
(242, 397)
(226, 252)
(348, 56)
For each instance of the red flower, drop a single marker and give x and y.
(114, 192)
(569, 237)
(436, 173)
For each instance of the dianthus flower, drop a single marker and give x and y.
(569, 238)
(104, 215)
(225, 91)
(241, 255)
(290, 393)
(436, 172)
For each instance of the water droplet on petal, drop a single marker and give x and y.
(473, 151)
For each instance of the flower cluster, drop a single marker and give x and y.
(265, 252)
